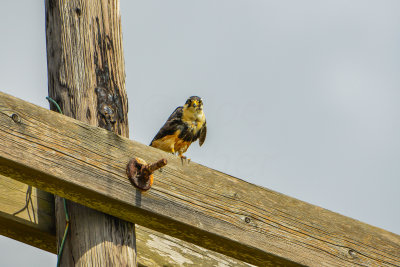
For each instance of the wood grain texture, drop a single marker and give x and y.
(191, 202)
(35, 226)
(156, 249)
(86, 77)
(86, 71)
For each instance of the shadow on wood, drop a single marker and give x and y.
(154, 249)
(191, 202)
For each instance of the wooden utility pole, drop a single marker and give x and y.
(86, 77)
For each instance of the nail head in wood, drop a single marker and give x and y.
(15, 118)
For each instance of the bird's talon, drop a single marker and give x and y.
(182, 159)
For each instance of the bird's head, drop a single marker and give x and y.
(193, 108)
(194, 103)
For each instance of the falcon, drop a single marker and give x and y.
(185, 125)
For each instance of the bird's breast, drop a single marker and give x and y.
(194, 126)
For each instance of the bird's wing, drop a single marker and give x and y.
(170, 126)
(203, 134)
(177, 114)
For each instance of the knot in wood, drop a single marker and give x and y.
(108, 106)
(78, 11)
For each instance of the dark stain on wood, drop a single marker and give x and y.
(192, 202)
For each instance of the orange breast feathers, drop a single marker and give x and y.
(172, 143)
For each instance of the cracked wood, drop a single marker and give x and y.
(33, 224)
(191, 202)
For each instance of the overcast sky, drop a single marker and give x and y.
(306, 92)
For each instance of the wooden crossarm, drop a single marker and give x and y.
(27, 215)
(191, 202)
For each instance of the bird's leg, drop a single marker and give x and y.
(183, 158)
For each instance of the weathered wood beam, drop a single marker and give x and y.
(27, 215)
(191, 202)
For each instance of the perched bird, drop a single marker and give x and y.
(185, 125)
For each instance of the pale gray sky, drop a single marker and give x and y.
(306, 92)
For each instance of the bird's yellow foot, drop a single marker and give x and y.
(184, 158)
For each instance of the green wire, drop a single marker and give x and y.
(65, 233)
(65, 202)
(55, 103)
